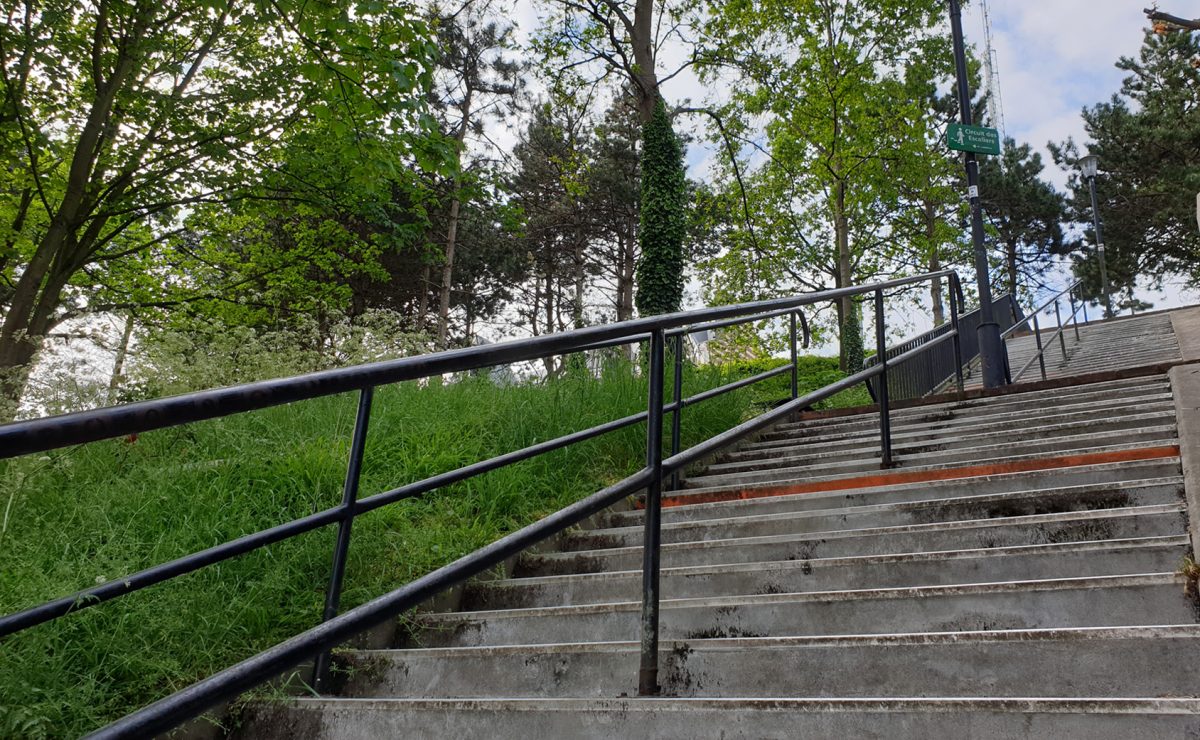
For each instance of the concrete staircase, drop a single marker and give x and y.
(1131, 341)
(1017, 575)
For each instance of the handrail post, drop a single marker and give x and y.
(795, 369)
(885, 422)
(677, 416)
(333, 594)
(1037, 338)
(1062, 341)
(1074, 314)
(648, 670)
(958, 370)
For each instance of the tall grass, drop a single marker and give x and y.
(101, 511)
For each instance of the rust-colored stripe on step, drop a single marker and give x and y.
(923, 476)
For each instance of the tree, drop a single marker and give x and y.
(930, 219)
(589, 40)
(827, 78)
(663, 223)
(1148, 140)
(549, 189)
(476, 80)
(614, 197)
(1024, 211)
(118, 117)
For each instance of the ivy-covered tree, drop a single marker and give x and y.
(583, 43)
(663, 217)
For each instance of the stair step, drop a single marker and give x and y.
(821, 466)
(1123, 523)
(949, 567)
(947, 420)
(662, 718)
(831, 477)
(902, 444)
(1104, 601)
(1110, 662)
(987, 506)
(996, 408)
(1017, 483)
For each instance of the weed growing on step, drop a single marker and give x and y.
(98, 512)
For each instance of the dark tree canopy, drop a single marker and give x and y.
(1024, 213)
(1148, 140)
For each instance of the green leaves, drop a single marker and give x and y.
(840, 91)
(664, 217)
(1148, 141)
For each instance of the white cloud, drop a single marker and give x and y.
(1054, 58)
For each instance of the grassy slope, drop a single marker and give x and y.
(79, 516)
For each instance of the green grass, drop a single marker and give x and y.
(98, 512)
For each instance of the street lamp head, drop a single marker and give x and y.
(1089, 165)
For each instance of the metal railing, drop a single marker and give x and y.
(932, 372)
(1031, 320)
(41, 435)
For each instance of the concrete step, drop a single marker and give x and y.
(737, 719)
(1104, 601)
(868, 444)
(987, 506)
(1108, 662)
(1075, 398)
(947, 416)
(1124, 523)
(826, 468)
(1099, 558)
(1037, 480)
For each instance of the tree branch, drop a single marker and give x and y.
(1174, 20)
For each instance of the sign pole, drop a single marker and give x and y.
(991, 348)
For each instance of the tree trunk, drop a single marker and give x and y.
(1011, 259)
(641, 36)
(935, 264)
(423, 303)
(460, 136)
(580, 284)
(549, 361)
(447, 275)
(845, 276)
(22, 338)
(118, 372)
(626, 263)
(16, 356)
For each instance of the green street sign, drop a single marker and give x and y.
(978, 139)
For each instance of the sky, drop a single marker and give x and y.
(1054, 57)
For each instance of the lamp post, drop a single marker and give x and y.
(991, 347)
(1089, 166)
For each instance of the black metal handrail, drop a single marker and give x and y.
(937, 370)
(1032, 320)
(55, 432)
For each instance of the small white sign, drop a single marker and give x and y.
(973, 191)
